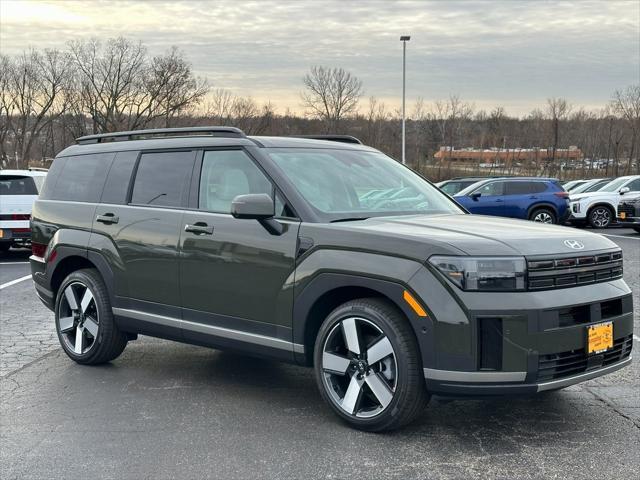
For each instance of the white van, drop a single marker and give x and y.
(18, 190)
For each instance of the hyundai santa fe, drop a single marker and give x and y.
(325, 253)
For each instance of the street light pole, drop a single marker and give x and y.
(404, 39)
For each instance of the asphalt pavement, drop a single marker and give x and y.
(167, 410)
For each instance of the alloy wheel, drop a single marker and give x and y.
(359, 367)
(78, 320)
(601, 217)
(543, 217)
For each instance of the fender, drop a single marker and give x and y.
(378, 275)
(543, 204)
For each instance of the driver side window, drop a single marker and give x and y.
(492, 188)
(226, 174)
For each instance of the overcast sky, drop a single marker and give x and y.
(513, 53)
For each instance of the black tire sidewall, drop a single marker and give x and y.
(92, 280)
(536, 211)
(359, 309)
(593, 211)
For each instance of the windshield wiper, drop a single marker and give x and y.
(349, 219)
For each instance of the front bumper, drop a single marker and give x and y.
(452, 383)
(483, 343)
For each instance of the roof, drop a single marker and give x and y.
(25, 173)
(198, 137)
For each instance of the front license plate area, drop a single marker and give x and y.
(599, 337)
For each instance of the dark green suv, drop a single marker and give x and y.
(322, 252)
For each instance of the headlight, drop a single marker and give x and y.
(575, 199)
(485, 274)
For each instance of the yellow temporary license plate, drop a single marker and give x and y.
(622, 215)
(599, 337)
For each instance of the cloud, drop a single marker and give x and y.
(513, 53)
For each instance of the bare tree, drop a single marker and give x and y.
(122, 89)
(626, 103)
(331, 95)
(172, 87)
(35, 88)
(557, 109)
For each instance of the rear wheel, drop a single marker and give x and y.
(543, 215)
(84, 320)
(368, 367)
(600, 217)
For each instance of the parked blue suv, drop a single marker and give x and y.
(538, 199)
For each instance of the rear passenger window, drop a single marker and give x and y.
(523, 188)
(116, 187)
(227, 174)
(77, 179)
(162, 179)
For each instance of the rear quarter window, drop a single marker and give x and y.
(78, 178)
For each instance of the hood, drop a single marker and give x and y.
(482, 235)
(591, 195)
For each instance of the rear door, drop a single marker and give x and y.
(490, 201)
(235, 276)
(137, 229)
(520, 195)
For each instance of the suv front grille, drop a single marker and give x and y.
(628, 209)
(574, 362)
(563, 272)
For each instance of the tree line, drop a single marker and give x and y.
(49, 97)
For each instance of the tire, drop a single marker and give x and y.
(543, 215)
(600, 216)
(90, 317)
(385, 394)
(4, 247)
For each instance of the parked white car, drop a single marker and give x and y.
(598, 208)
(18, 190)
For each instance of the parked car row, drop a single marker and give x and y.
(596, 202)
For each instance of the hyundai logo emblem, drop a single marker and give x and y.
(576, 245)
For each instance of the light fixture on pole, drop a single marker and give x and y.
(404, 39)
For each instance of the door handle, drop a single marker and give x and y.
(199, 228)
(107, 218)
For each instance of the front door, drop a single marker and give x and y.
(236, 277)
(490, 201)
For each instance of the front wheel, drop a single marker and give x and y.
(84, 320)
(368, 367)
(600, 217)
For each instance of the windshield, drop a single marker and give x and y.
(614, 185)
(345, 184)
(590, 186)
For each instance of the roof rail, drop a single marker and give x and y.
(160, 132)
(331, 138)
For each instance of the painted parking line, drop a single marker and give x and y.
(13, 282)
(619, 236)
(14, 263)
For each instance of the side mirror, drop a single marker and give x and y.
(260, 207)
(475, 195)
(256, 206)
(624, 190)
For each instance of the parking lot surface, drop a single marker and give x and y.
(167, 410)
